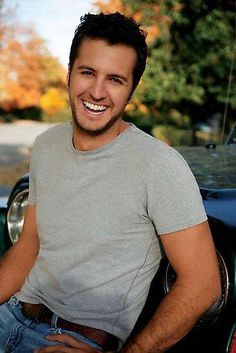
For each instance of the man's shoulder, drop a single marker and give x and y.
(148, 144)
(154, 152)
(54, 133)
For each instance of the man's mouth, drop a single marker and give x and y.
(94, 108)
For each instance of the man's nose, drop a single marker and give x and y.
(97, 89)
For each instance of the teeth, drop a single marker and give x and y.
(94, 106)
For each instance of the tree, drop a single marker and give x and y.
(27, 68)
(191, 53)
(53, 101)
(203, 45)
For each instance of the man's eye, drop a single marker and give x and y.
(116, 80)
(86, 73)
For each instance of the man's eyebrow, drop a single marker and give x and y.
(84, 67)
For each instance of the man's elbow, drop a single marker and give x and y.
(214, 289)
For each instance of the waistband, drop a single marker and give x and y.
(40, 313)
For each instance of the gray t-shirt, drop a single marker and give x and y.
(99, 214)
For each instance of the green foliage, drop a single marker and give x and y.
(29, 113)
(190, 60)
(204, 49)
(144, 121)
(172, 135)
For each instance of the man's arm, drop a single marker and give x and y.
(191, 253)
(19, 259)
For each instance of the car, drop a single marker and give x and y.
(215, 170)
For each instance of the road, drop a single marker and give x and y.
(22, 132)
(16, 140)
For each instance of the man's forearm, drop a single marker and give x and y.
(177, 314)
(14, 267)
(19, 259)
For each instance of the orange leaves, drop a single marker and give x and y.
(29, 75)
(20, 67)
(138, 106)
(154, 15)
(53, 101)
(27, 68)
(110, 6)
(153, 32)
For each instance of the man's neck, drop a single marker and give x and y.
(86, 142)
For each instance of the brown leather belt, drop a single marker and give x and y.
(40, 313)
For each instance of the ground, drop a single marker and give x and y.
(16, 140)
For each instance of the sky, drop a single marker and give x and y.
(54, 20)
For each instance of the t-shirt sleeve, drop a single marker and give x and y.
(174, 199)
(32, 183)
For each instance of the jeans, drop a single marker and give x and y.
(19, 334)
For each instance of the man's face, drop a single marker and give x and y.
(100, 84)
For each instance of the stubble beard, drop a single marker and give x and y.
(100, 130)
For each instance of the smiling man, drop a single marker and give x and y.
(103, 196)
(100, 84)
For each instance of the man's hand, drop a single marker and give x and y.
(68, 345)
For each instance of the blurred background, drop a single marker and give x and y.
(187, 95)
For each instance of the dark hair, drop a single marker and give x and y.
(115, 28)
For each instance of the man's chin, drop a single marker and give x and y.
(96, 131)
